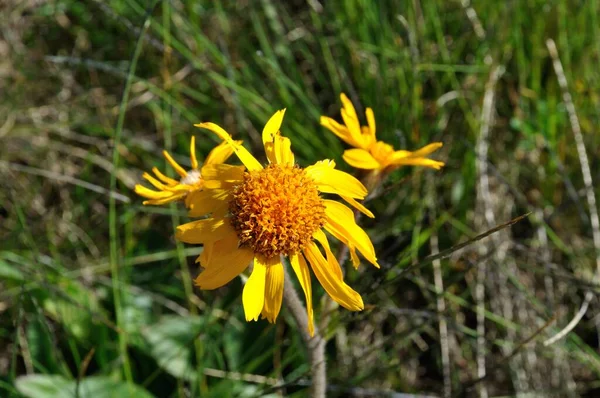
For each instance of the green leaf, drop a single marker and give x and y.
(53, 386)
(171, 343)
(73, 308)
(10, 272)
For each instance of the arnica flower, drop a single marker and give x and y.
(169, 189)
(259, 214)
(368, 153)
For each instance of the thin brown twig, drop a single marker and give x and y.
(446, 253)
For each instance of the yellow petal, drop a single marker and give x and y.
(220, 153)
(330, 180)
(222, 176)
(348, 107)
(178, 169)
(167, 180)
(339, 130)
(303, 274)
(353, 256)
(371, 123)
(226, 261)
(157, 184)
(361, 159)
(272, 127)
(160, 202)
(327, 275)
(320, 237)
(242, 153)
(340, 223)
(354, 129)
(207, 230)
(273, 291)
(428, 149)
(207, 201)
(222, 172)
(193, 157)
(434, 164)
(416, 158)
(253, 296)
(277, 148)
(283, 152)
(150, 194)
(358, 206)
(207, 249)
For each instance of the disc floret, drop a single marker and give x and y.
(277, 210)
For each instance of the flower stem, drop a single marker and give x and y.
(315, 345)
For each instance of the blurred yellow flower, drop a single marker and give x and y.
(258, 214)
(169, 189)
(368, 153)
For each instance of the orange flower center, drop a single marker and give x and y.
(276, 210)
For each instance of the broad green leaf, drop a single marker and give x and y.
(73, 307)
(171, 343)
(53, 386)
(10, 272)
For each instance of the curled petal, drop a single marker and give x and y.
(328, 276)
(340, 223)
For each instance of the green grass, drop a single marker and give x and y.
(96, 297)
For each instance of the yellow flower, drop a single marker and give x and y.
(169, 189)
(259, 214)
(368, 153)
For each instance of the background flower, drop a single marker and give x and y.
(369, 153)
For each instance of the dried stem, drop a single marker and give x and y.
(484, 196)
(440, 302)
(587, 181)
(315, 345)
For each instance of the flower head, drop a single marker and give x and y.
(368, 153)
(169, 189)
(259, 214)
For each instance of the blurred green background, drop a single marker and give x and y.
(96, 297)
